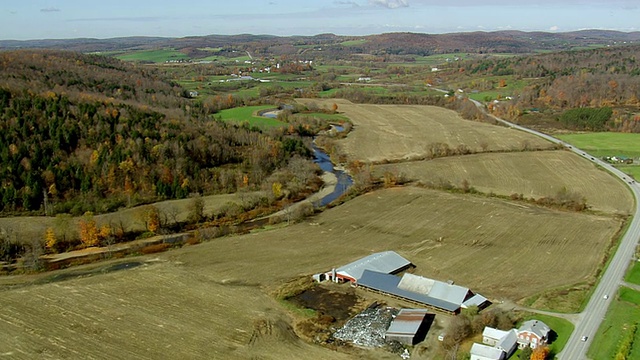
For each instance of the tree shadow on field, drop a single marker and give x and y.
(75, 274)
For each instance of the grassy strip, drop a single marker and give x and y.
(632, 170)
(633, 276)
(156, 56)
(622, 315)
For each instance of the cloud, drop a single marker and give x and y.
(132, 19)
(343, 2)
(554, 28)
(391, 4)
(49, 9)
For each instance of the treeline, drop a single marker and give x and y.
(89, 152)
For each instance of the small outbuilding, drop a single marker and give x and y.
(410, 326)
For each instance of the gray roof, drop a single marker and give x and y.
(383, 262)
(433, 288)
(493, 333)
(537, 327)
(407, 322)
(475, 300)
(389, 284)
(508, 342)
(486, 352)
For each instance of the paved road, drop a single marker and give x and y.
(589, 320)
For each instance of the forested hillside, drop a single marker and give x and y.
(597, 79)
(81, 132)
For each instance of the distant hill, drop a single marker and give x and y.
(342, 46)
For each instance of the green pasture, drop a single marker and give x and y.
(249, 114)
(156, 56)
(512, 86)
(622, 314)
(633, 275)
(606, 143)
(353, 42)
(631, 170)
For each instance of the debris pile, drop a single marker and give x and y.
(368, 327)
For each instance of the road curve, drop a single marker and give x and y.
(589, 321)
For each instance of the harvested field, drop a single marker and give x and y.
(396, 132)
(212, 300)
(532, 174)
(29, 227)
(161, 310)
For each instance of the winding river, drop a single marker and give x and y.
(344, 181)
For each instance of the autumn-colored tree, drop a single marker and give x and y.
(540, 353)
(276, 188)
(153, 217)
(105, 232)
(334, 107)
(50, 239)
(502, 83)
(88, 230)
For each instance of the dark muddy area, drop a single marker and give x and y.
(326, 302)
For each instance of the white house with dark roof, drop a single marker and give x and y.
(533, 333)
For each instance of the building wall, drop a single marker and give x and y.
(401, 338)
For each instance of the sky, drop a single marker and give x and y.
(62, 19)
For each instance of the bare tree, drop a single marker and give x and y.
(196, 209)
(33, 251)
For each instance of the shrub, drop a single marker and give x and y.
(156, 248)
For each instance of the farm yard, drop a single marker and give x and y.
(532, 174)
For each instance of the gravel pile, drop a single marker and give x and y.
(368, 327)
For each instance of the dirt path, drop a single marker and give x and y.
(509, 306)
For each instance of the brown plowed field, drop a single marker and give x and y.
(211, 300)
(532, 174)
(395, 132)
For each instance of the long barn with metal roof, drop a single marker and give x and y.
(386, 262)
(427, 292)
